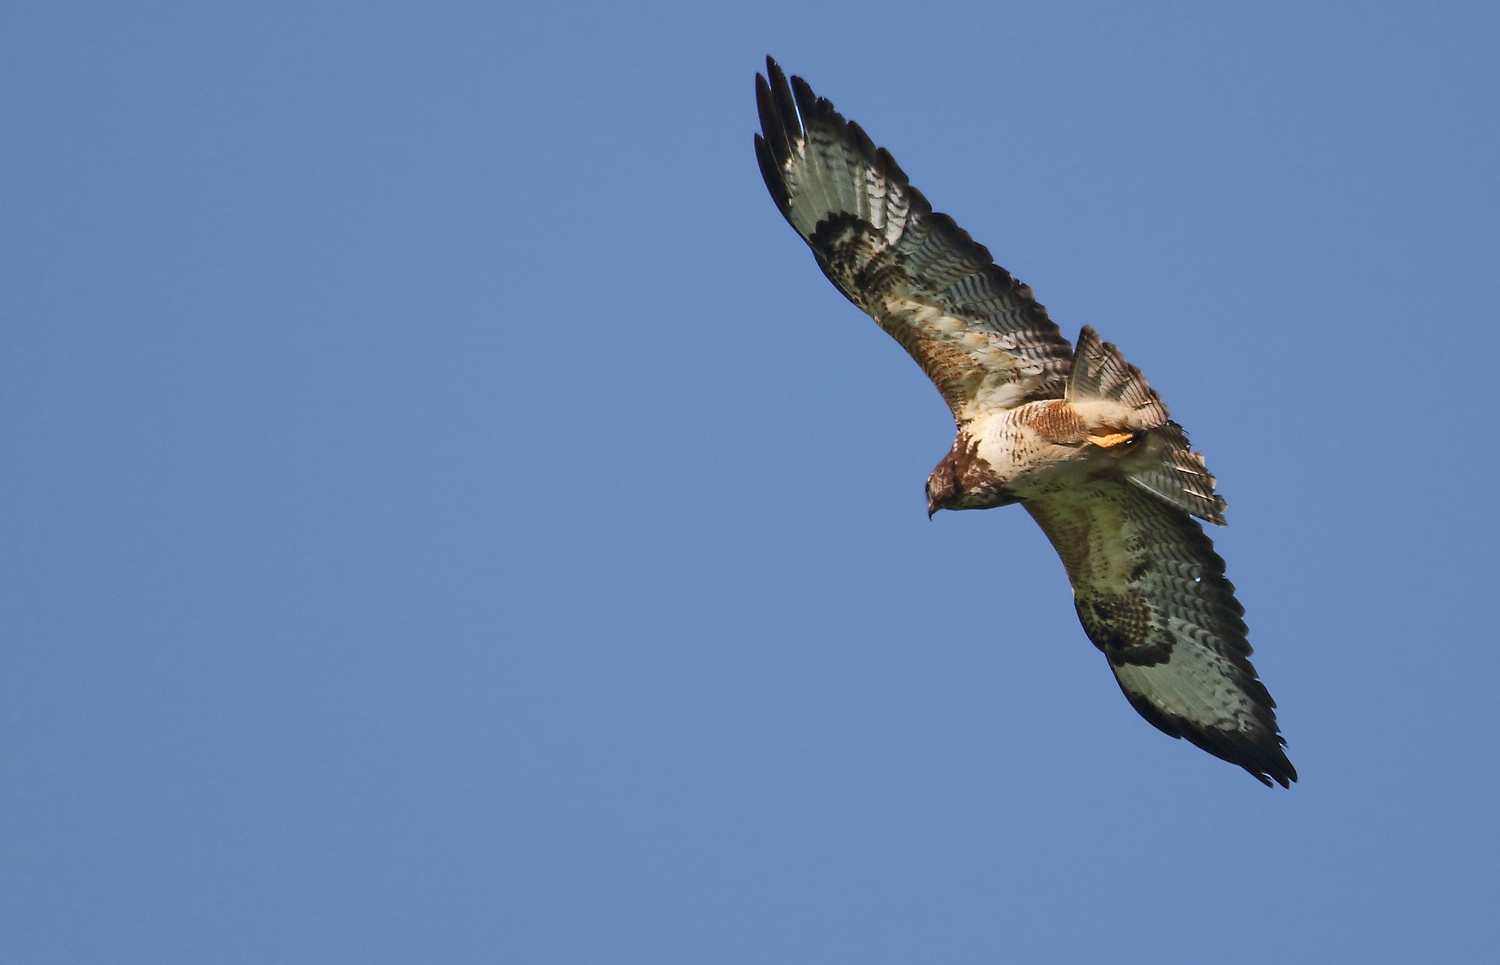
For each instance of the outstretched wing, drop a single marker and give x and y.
(976, 331)
(1151, 594)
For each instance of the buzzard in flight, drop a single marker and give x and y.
(1072, 433)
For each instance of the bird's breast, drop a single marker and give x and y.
(1029, 445)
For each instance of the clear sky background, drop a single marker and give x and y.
(448, 517)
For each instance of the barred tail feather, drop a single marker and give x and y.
(1168, 468)
(1101, 372)
(1162, 462)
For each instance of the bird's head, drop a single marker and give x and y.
(943, 490)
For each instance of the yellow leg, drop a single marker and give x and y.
(1112, 439)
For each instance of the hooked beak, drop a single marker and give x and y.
(930, 509)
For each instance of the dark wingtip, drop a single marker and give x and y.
(1284, 779)
(771, 175)
(774, 146)
(1273, 765)
(772, 123)
(808, 103)
(784, 103)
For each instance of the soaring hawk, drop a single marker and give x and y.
(1072, 433)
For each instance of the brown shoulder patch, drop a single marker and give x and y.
(1056, 421)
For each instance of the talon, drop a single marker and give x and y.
(1113, 439)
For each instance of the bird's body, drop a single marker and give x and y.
(1033, 449)
(1073, 434)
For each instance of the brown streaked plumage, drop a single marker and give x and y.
(1073, 433)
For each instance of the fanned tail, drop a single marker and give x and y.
(1169, 469)
(1160, 460)
(1100, 372)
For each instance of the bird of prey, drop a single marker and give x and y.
(1072, 433)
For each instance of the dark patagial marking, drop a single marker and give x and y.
(1120, 625)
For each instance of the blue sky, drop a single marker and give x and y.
(448, 516)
